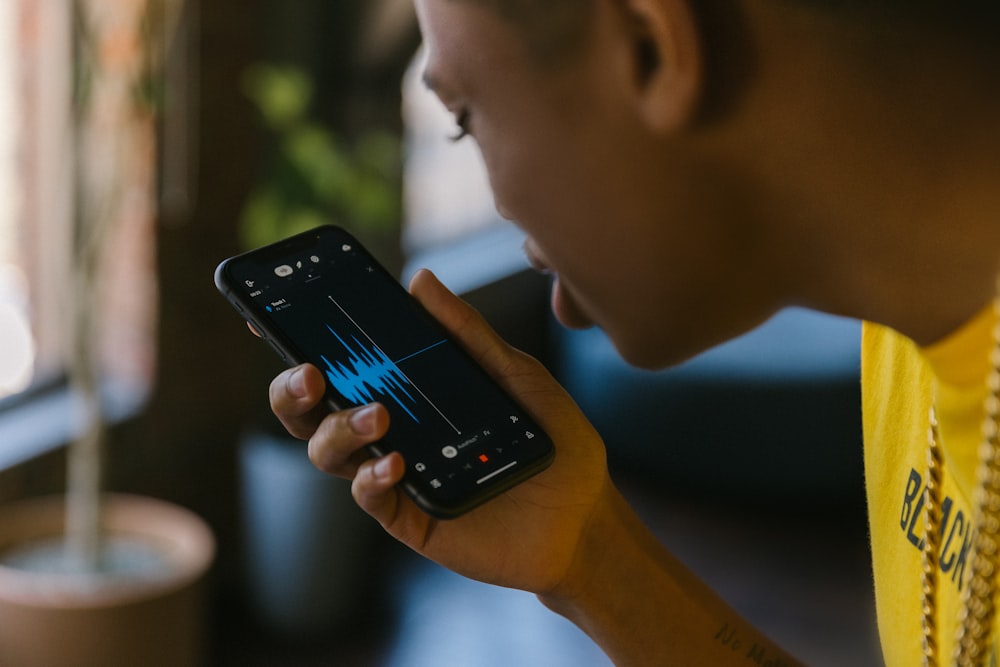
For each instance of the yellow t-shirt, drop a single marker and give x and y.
(898, 381)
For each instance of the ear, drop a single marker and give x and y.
(668, 60)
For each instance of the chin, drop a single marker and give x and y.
(653, 355)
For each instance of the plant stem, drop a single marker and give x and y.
(84, 532)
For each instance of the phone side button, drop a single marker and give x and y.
(278, 350)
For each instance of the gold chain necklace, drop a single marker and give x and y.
(976, 619)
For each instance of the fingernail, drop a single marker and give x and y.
(297, 384)
(383, 468)
(363, 420)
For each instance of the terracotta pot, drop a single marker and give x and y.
(54, 619)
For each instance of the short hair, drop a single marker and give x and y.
(553, 26)
(553, 29)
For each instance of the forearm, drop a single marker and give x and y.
(644, 607)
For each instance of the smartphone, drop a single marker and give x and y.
(320, 297)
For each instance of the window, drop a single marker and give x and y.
(17, 348)
(60, 171)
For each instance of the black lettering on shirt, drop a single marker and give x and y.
(954, 551)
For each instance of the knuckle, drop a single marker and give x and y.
(334, 448)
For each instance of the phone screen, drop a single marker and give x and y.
(321, 298)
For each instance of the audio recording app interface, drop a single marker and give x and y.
(456, 429)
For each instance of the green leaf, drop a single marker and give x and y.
(282, 94)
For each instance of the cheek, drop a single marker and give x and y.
(665, 277)
(653, 249)
(539, 163)
(527, 178)
(567, 209)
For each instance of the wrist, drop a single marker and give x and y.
(641, 604)
(605, 528)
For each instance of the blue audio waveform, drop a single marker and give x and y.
(367, 372)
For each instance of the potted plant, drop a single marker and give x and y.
(93, 578)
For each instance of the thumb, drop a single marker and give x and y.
(464, 323)
(524, 377)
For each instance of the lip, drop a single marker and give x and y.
(562, 303)
(535, 259)
(566, 309)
